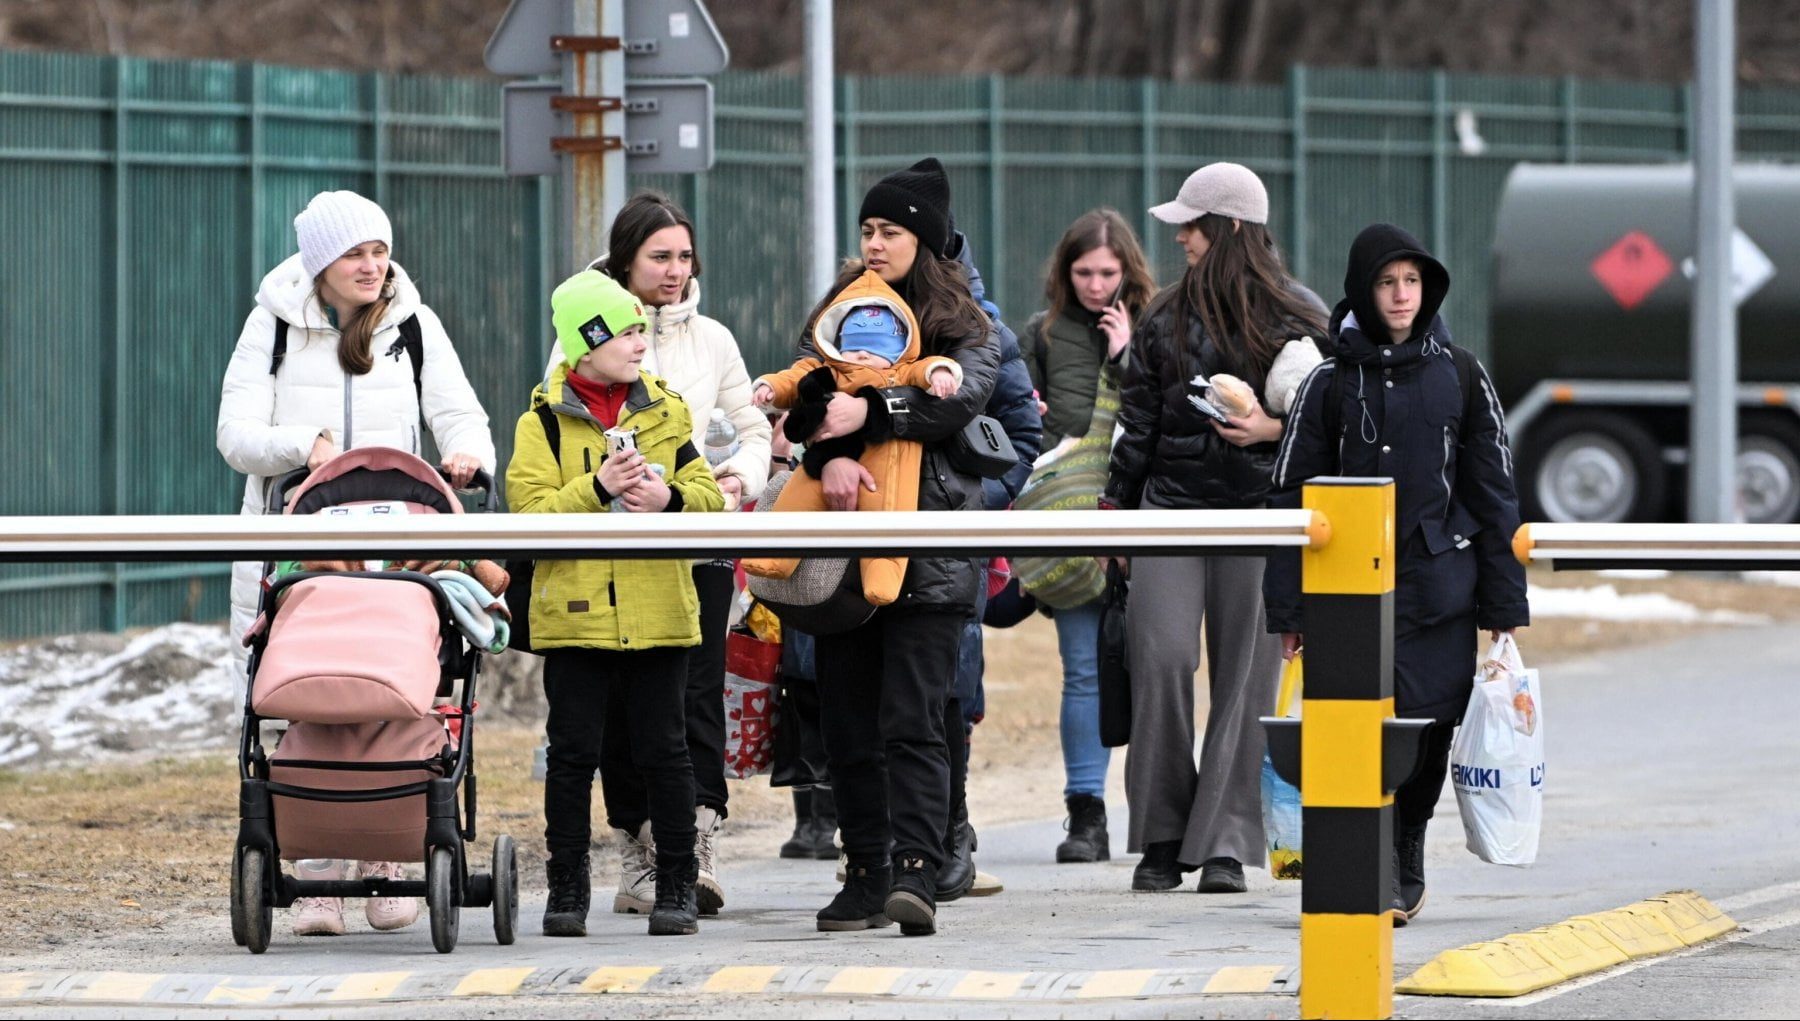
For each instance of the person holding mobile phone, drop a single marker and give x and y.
(1096, 285)
(1235, 312)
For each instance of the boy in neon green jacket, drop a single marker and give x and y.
(615, 633)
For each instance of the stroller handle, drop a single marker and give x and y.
(482, 482)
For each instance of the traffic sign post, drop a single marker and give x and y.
(597, 123)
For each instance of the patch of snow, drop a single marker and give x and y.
(1785, 579)
(1603, 602)
(84, 698)
(1634, 573)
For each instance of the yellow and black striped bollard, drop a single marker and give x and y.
(1352, 753)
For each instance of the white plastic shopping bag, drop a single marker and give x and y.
(1497, 759)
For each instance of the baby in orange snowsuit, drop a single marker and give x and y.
(867, 337)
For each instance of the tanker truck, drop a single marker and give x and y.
(1592, 291)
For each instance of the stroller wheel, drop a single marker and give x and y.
(440, 898)
(506, 890)
(252, 898)
(240, 920)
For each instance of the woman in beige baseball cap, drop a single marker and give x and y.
(1235, 312)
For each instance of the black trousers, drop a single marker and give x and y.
(883, 691)
(1417, 798)
(705, 708)
(592, 692)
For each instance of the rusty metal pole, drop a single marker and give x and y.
(593, 173)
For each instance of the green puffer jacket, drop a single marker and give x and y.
(621, 605)
(1065, 354)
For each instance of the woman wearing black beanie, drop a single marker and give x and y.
(883, 685)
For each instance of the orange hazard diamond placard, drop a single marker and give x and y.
(1634, 266)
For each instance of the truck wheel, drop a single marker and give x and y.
(1768, 470)
(1593, 466)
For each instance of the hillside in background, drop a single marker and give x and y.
(1212, 40)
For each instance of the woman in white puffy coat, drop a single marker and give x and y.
(653, 253)
(345, 380)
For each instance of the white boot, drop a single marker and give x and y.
(637, 873)
(319, 916)
(708, 827)
(386, 913)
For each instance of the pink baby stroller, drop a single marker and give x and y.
(367, 768)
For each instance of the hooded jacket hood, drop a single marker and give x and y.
(1378, 245)
(287, 292)
(868, 289)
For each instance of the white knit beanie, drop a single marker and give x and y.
(1227, 189)
(335, 222)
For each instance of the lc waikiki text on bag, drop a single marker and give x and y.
(1497, 759)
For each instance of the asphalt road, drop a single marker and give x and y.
(1669, 769)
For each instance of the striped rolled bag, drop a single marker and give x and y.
(1072, 478)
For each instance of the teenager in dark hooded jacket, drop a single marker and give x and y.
(1402, 411)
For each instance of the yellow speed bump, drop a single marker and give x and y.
(1637, 933)
(1503, 967)
(1693, 918)
(1577, 947)
(1529, 961)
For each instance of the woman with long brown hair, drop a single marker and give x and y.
(1097, 284)
(340, 352)
(883, 686)
(1235, 312)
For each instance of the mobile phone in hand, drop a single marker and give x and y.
(1206, 408)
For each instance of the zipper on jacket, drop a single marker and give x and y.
(612, 595)
(1444, 474)
(587, 460)
(349, 425)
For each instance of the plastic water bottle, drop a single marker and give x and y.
(721, 439)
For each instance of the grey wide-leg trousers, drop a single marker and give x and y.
(1215, 811)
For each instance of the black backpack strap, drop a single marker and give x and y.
(279, 351)
(552, 430)
(412, 338)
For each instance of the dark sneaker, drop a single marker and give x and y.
(1222, 875)
(677, 908)
(1159, 869)
(1088, 840)
(566, 909)
(861, 903)
(913, 900)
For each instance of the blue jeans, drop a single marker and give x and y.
(1084, 758)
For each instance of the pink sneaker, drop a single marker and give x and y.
(388, 912)
(319, 916)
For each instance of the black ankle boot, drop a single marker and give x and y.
(1409, 873)
(1088, 840)
(800, 845)
(861, 904)
(958, 873)
(677, 908)
(566, 909)
(825, 824)
(1160, 869)
(913, 900)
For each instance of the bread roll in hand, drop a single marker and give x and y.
(1231, 394)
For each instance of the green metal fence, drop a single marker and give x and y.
(142, 201)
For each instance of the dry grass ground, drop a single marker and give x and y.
(85, 852)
